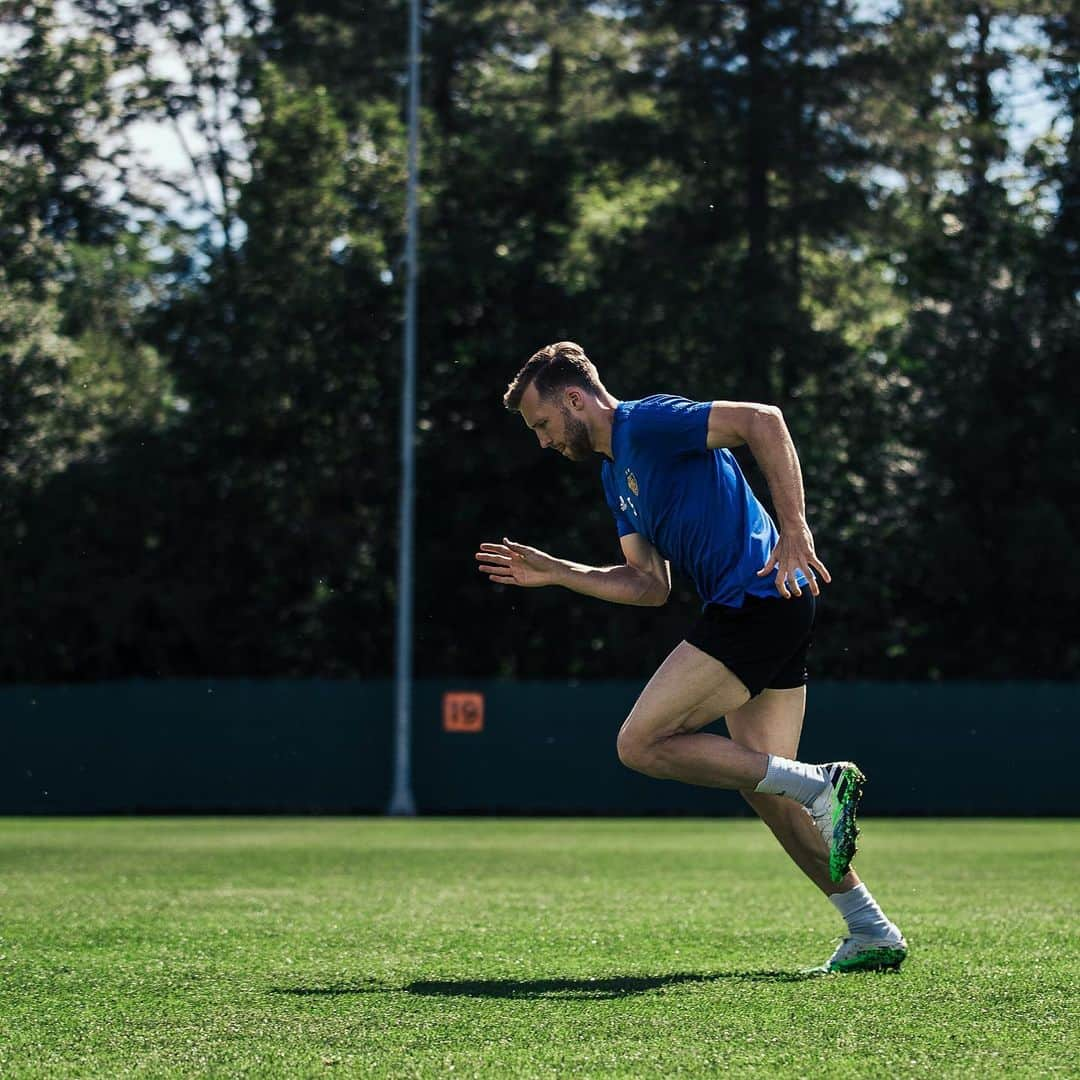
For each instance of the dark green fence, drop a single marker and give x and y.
(319, 746)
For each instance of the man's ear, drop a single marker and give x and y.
(575, 397)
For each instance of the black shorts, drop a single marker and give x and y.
(764, 642)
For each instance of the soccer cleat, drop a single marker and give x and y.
(833, 812)
(860, 953)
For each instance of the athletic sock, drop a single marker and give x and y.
(863, 916)
(796, 780)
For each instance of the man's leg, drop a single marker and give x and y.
(660, 737)
(772, 723)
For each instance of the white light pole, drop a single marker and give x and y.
(401, 798)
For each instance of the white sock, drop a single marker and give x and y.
(863, 916)
(797, 781)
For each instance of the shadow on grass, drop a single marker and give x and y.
(615, 987)
(555, 989)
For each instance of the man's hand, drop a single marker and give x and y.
(795, 551)
(509, 563)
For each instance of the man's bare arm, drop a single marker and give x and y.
(762, 428)
(644, 580)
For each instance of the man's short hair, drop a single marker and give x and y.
(552, 369)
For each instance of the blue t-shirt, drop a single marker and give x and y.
(691, 503)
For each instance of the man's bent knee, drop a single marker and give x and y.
(633, 751)
(641, 753)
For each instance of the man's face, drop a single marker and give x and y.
(556, 424)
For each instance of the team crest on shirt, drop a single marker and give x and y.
(631, 482)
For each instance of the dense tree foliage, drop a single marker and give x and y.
(800, 203)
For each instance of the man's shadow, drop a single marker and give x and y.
(597, 989)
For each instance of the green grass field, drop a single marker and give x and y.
(519, 948)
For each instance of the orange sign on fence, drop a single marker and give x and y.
(463, 710)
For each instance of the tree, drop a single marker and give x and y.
(76, 373)
(976, 347)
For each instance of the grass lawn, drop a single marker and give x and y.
(519, 948)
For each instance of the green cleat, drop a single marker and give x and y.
(866, 954)
(833, 812)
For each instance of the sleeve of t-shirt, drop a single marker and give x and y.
(622, 519)
(671, 425)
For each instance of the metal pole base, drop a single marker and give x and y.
(402, 804)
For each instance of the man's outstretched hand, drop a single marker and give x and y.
(509, 563)
(795, 551)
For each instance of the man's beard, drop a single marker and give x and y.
(578, 445)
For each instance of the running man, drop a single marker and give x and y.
(678, 496)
